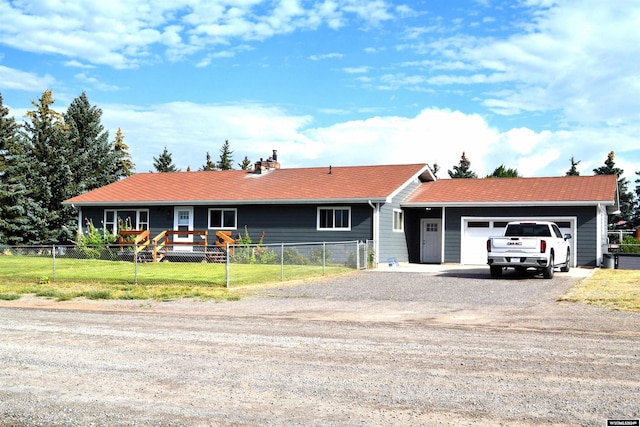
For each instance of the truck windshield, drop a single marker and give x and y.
(528, 230)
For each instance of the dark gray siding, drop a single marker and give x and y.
(280, 223)
(412, 229)
(586, 224)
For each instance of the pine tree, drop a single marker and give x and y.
(503, 172)
(434, 169)
(626, 197)
(209, 165)
(93, 162)
(49, 174)
(124, 165)
(245, 165)
(226, 161)
(574, 170)
(462, 170)
(164, 163)
(13, 217)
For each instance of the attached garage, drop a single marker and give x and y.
(471, 210)
(476, 231)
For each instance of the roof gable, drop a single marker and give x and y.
(574, 190)
(332, 184)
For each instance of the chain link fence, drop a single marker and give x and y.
(232, 265)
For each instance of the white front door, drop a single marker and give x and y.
(183, 221)
(431, 236)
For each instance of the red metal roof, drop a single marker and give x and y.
(281, 185)
(556, 190)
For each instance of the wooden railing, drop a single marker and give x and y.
(224, 239)
(165, 241)
(140, 242)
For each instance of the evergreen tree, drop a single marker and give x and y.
(93, 162)
(209, 165)
(226, 161)
(124, 165)
(574, 170)
(164, 163)
(462, 170)
(627, 202)
(245, 165)
(48, 172)
(13, 219)
(502, 172)
(434, 169)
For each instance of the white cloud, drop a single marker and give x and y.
(123, 34)
(333, 55)
(12, 79)
(577, 56)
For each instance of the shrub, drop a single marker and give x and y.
(630, 245)
(92, 243)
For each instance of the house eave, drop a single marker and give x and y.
(504, 204)
(138, 203)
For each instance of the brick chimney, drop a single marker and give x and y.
(265, 166)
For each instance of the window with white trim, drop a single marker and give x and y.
(398, 220)
(334, 218)
(226, 219)
(137, 219)
(111, 221)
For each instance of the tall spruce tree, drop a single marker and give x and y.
(574, 170)
(503, 172)
(124, 165)
(93, 161)
(13, 191)
(226, 159)
(164, 163)
(463, 169)
(245, 165)
(209, 165)
(627, 202)
(49, 173)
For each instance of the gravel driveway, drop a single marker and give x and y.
(431, 347)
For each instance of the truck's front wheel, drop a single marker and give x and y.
(547, 273)
(496, 271)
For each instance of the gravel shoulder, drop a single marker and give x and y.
(442, 347)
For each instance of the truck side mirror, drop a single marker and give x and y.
(567, 236)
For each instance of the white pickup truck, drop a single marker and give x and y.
(534, 244)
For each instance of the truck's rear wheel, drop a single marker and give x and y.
(547, 273)
(496, 271)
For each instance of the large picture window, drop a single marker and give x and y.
(137, 219)
(226, 219)
(334, 219)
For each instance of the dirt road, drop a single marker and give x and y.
(316, 355)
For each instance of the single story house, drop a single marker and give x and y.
(408, 213)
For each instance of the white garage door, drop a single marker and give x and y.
(476, 231)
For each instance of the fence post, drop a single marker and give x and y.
(282, 262)
(227, 260)
(135, 263)
(324, 257)
(357, 255)
(53, 254)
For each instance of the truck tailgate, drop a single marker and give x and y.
(515, 244)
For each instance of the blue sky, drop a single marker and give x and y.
(528, 84)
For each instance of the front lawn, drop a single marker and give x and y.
(101, 279)
(614, 289)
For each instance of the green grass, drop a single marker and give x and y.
(614, 289)
(100, 279)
